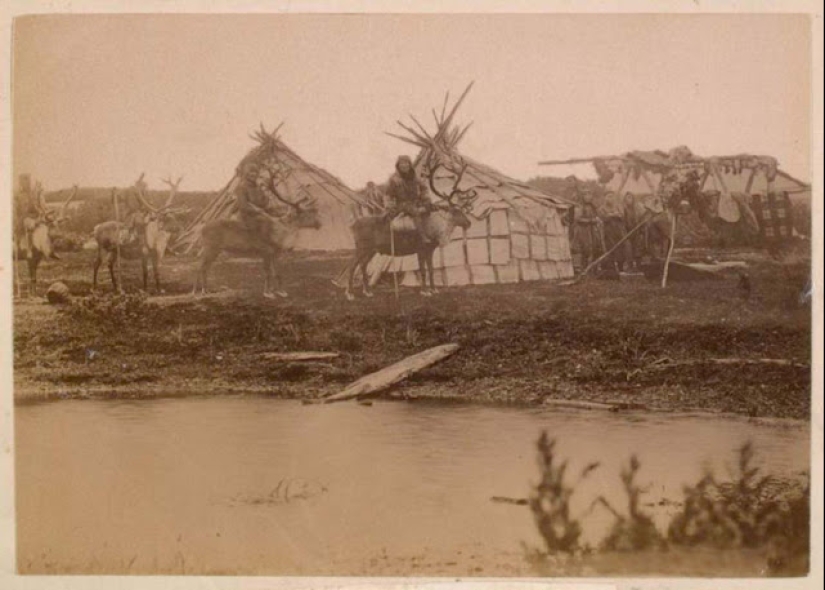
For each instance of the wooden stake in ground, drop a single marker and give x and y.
(117, 241)
(670, 248)
(395, 373)
(392, 257)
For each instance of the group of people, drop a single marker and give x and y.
(599, 227)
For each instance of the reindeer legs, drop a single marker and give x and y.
(353, 267)
(361, 260)
(155, 256)
(112, 261)
(144, 265)
(34, 260)
(431, 272)
(207, 259)
(98, 262)
(422, 273)
(365, 277)
(271, 274)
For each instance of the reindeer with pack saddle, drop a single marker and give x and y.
(399, 236)
(34, 241)
(144, 235)
(268, 220)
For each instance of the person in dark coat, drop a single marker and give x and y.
(407, 194)
(255, 208)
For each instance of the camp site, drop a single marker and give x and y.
(279, 339)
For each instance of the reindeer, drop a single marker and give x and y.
(148, 241)
(35, 243)
(233, 236)
(372, 234)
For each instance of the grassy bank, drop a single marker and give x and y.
(628, 341)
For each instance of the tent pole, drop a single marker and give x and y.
(670, 248)
(749, 186)
(626, 237)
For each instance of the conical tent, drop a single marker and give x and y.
(301, 179)
(516, 232)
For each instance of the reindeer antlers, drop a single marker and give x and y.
(168, 181)
(173, 189)
(465, 197)
(280, 175)
(140, 188)
(434, 162)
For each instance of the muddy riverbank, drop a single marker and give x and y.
(605, 341)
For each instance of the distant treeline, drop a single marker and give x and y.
(564, 187)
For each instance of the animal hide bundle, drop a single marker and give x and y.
(403, 223)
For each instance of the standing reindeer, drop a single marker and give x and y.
(35, 239)
(235, 237)
(372, 234)
(145, 238)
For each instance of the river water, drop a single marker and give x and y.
(250, 485)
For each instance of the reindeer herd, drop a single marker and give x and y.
(145, 237)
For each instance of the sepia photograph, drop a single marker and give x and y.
(389, 294)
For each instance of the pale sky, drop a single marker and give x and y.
(99, 99)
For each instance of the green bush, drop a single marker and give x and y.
(634, 531)
(550, 501)
(752, 511)
(741, 513)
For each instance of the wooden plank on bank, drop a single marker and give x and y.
(395, 373)
(300, 356)
(579, 405)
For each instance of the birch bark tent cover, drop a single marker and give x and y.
(516, 233)
(335, 201)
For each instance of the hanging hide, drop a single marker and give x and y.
(603, 171)
(746, 212)
(728, 209)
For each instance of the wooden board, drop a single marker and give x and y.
(300, 356)
(679, 271)
(395, 373)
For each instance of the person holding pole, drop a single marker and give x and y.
(407, 194)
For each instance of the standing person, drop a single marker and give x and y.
(586, 229)
(407, 194)
(612, 214)
(633, 215)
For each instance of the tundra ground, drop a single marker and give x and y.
(598, 340)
